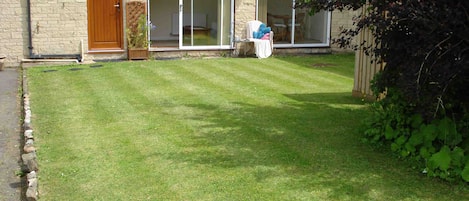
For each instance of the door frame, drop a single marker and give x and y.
(207, 47)
(119, 30)
(292, 44)
(180, 10)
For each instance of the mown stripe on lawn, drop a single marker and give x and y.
(256, 83)
(180, 176)
(229, 88)
(74, 127)
(198, 83)
(284, 79)
(190, 136)
(179, 172)
(107, 161)
(140, 141)
(320, 78)
(118, 91)
(225, 148)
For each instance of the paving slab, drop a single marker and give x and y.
(10, 136)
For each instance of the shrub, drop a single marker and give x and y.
(137, 34)
(425, 47)
(439, 148)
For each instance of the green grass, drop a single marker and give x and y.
(213, 129)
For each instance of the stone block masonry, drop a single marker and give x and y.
(58, 26)
(13, 32)
(341, 20)
(245, 11)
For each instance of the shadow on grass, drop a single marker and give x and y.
(340, 63)
(311, 144)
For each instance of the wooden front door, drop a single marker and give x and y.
(105, 31)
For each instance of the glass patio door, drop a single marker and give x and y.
(205, 24)
(295, 27)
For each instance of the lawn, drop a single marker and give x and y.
(282, 128)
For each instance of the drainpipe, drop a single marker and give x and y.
(53, 57)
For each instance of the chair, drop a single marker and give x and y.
(278, 26)
(299, 22)
(263, 48)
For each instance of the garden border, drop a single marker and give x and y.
(29, 158)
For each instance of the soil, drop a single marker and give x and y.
(11, 185)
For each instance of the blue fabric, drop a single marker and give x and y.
(263, 29)
(257, 34)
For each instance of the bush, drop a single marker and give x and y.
(439, 148)
(137, 34)
(425, 47)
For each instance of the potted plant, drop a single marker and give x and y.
(137, 39)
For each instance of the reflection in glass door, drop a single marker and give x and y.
(205, 23)
(190, 24)
(295, 27)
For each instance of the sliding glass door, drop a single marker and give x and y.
(205, 23)
(191, 24)
(295, 27)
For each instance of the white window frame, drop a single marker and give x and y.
(327, 40)
(207, 47)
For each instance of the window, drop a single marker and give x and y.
(294, 27)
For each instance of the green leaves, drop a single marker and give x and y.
(448, 133)
(425, 111)
(429, 132)
(137, 34)
(465, 172)
(389, 132)
(449, 164)
(438, 144)
(441, 160)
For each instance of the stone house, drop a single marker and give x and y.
(81, 30)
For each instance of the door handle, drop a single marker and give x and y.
(118, 6)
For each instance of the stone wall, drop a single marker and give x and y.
(245, 10)
(13, 31)
(341, 20)
(58, 26)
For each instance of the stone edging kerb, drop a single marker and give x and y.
(28, 157)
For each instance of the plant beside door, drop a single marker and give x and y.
(137, 39)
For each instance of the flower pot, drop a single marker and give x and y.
(137, 53)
